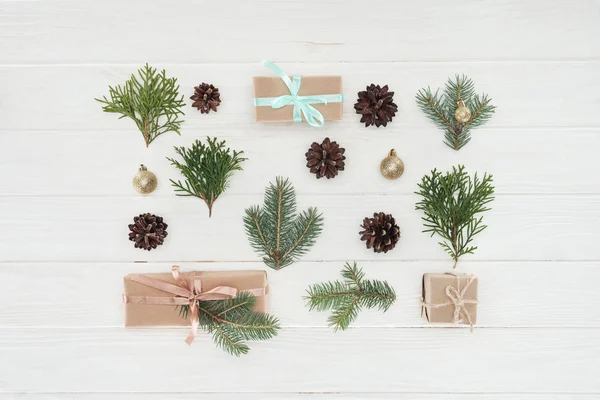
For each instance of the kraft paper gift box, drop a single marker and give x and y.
(450, 298)
(286, 99)
(139, 314)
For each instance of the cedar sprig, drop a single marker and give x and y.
(440, 109)
(152, 101)
(207, 169)
(232, 322)
(452, 203)
(346, 298)
(276, 232)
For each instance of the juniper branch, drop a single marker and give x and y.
(152, 101)
(452, 203)
(346, 298)
(207, 169)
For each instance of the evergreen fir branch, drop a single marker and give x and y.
(440, 109)
(152, 102)
(276, 232)
(207, 169)
(347, 298)
(451, 203)
(232, 322)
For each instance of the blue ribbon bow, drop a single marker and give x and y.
(302, 104)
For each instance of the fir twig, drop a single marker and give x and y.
(441, 108)
(152, 101)
(232, 322)
(346, 298)
(207, 169)
(451, 203)
(276, 232)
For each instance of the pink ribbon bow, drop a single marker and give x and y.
(187, 292)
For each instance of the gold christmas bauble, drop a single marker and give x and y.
(462, 113)
(144, 181)
(392, 166)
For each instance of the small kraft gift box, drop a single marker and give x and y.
(153, 299)
(298, 98)
(449, 298)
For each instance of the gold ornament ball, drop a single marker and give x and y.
(144, 181)
(462, 113)
(392, 166)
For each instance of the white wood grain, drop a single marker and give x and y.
(523, 227)
(304, 360)
(527, 95)
(187, 31)
(558, 168)
(511, 294)
(297, 396)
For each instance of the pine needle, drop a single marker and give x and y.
(276, 232)
(346, 298)
(451, 203)
(440, 109)
(207, 169)
(152, 101)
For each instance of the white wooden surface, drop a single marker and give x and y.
(66, 198)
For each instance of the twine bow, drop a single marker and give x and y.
(457, 299)
(188, 292)
(302, 104)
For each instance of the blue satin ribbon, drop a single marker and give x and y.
(302, 104)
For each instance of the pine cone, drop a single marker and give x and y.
(206, 97)
(376, 105)
(325, 159)
(380, 232)
(148, 231)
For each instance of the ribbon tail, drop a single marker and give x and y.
(195, 322)
(312, 115)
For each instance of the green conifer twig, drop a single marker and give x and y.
(152, 102)
(451, 203)
(232, 322)
(440, 109)
(346, 298)
(276, 232)
(207, 169)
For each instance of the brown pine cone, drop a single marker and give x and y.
(376, 104)
(206, 97)
(380, 232)
(325, 159)
(148, 231)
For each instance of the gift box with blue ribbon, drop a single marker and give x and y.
(311, 99)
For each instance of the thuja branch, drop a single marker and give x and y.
(276, 232)
(346, 298)
(150, 99)
(207, 169)
(443, 108)
(232, 322)
(452, 204)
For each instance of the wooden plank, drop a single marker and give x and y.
(152, 360)
(521, 227)
(113, 31)
(527, 95)
(296, 396)
(70, 170)
(511, 294)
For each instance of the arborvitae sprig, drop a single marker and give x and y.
(451, 203)
(152, 102)
(346, 298)
(440, 108)
(276, 232)
(207, 169)
(232, 322)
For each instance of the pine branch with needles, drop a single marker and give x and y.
(150, 99)
(452, 204)
(441, 109)
(232, 322)
(207, 169)
(346, 298)
(276, 232)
